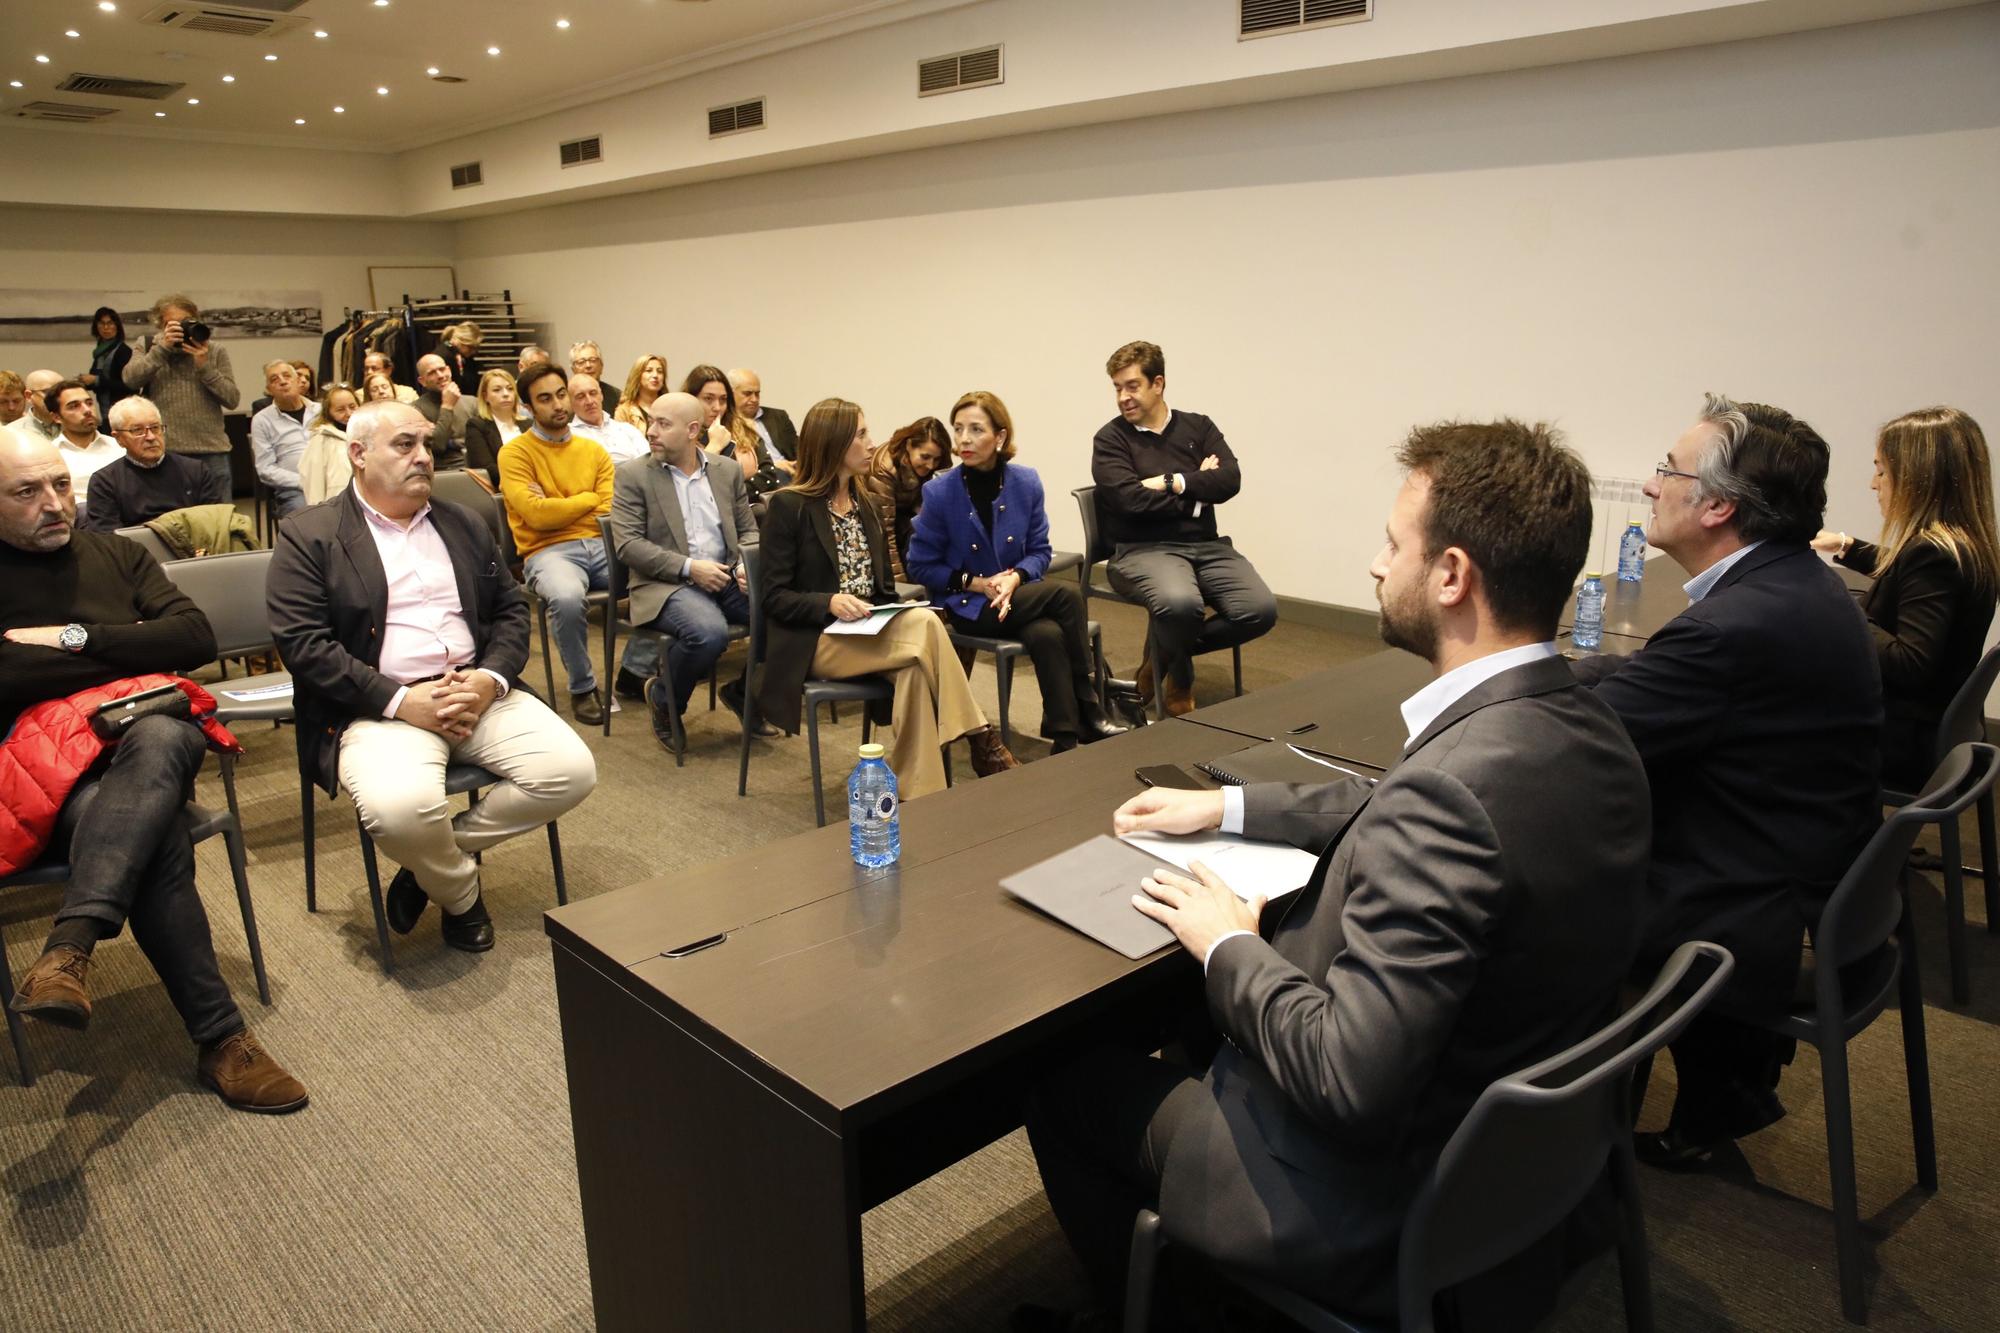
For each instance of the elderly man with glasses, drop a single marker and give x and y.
(148, 481)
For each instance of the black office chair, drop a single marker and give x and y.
(1006, 652)
(1964, 721)
(617, 617)
(1526, 1154)
(862, 691)
(457, 778)
(1865, 955)
(203, 825)
(1095, 549)
(462, 487)
(150, 540)
(600, 599)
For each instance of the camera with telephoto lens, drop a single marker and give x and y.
(194, 332)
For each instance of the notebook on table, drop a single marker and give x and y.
(1281, 761)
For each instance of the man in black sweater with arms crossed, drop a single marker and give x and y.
(80, 609)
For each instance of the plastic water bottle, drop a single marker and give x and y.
(1632, 553)
(1588, 632)
(872, 831)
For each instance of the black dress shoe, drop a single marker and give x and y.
(663, 721)
(1094, 726)
(1061, 744)
(471, 930)
(587, 708)
(732, 699)
(1671, 1150)
(629, 686)
(404, 903)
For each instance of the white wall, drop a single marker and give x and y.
(119, 250)
(1805, 220)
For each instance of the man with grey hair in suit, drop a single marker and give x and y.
(680, 518)
(1471, 914)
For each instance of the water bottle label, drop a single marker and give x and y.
(885, 806)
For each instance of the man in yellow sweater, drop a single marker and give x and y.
(556, 484)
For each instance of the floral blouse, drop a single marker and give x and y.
(850, 544)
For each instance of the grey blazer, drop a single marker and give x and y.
(650, 532)
(1471, 915)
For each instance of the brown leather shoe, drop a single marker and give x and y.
(989, 756)
(243, 1074)
(53, 990)
(1180, 698)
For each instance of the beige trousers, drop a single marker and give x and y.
(395, 773)
(934, 704)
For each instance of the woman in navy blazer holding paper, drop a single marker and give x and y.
(981, 545)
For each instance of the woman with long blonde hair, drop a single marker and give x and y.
(824, 560)
(498, 419)
(1936, 568)
(647, 381)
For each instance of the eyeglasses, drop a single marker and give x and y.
(142, 431)
(1662, 471)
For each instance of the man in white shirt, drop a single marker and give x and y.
(279, 434)
(82, 446)
(1471, 914)
(620, 439)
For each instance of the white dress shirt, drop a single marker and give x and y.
(424, 630)
(83, 460)
(1703, 583)
(620, 439)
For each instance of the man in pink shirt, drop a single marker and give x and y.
(406, 637)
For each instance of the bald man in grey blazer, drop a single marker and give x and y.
(680, 517)
(1470, 915)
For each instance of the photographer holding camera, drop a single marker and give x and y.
(187, 378)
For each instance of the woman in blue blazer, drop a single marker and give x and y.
(981, 545)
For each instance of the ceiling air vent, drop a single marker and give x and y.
(961, 69)
(579, 151)
(69, 113)
(464, 175)
(735, 118)
(1263, 18)
(245, 18)
(109, 85)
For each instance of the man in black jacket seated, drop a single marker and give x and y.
(406, 636)
(148, 481)
(80, 609)
(1469, 916)
(1758, 711)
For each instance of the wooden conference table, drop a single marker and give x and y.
(737, 1107)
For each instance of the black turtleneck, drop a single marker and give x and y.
(984, 488)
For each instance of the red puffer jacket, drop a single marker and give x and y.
(52, 745)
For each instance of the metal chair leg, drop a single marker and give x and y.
(812, 744)
(610, 671)
(1989, 866)
(1916, 1052)
(232, 841)
(1954, 912)
(1236, 662)
(1840, 1169)
(312, 850)
(15, 1029)
(1634, 1275)
(1146, 1243)
(555, 860)
(375, 899)
(548, 663)
(743, 751)
(1003, 668)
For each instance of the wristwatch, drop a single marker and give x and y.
(73, 638)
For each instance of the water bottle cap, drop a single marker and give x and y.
(1593, 574)
(872, 750)
(1636, 523)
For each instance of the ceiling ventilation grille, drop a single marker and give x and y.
(579, 151)
(464, 175)
(107, 85)
(735, 118)
(69, 113)
(247, 18)
(1265, 18)
(961, 69)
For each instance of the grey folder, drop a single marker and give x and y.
(1090, 887)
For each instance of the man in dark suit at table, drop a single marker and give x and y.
(406, 637)
(1469, 916)
(680, 518)
(1758, 711)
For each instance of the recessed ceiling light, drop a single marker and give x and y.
(72, 32)
(381, 4)
(194, 101)
(562, 23)
(492, 50)
(107, 6)
(299, 120)
(270, 57)
(13, 83)
(381, 92)
(229, 78)
(41, 60)
(432, 71)
(340, 110)
(159, 115)
(320, 33)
